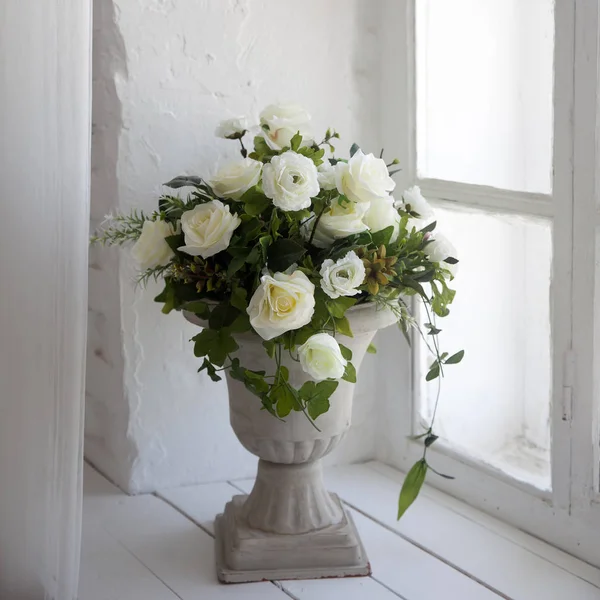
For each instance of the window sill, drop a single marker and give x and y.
(160, 547)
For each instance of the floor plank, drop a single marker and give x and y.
(168, 545)
(405, 569)
(109, 572)
(506, 566)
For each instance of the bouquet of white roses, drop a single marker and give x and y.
(281, 243)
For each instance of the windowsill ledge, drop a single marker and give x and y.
(161, 547)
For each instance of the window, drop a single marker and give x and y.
(499, 100)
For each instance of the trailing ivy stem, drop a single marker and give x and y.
(441, 374)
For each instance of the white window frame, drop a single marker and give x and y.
(568, 516)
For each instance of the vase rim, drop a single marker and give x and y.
(356, 309)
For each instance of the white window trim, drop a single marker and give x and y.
(568, 516)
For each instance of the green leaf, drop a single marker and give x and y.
(284, 253)
(265, 242)
(237, 262)
(371, 349)
(238, 298)
(350, 373)
(412, 486)
(339, 306)
(429, 227)
(342, 327)
(254, 255)
(210, 369)
(223, 315)
(167, 296)
(383, 236)
(214, 344)
(316, 396)
(284, 373)
(183, 181)
(354, 149)
(451, 260)
(296, 141)
(241, 324)
(175, 241)
(270, 346)
(255, 202)
(434, 372)
(430, 439)
(198, 307)
(455, 358)
(203, 341)
(346, 352)
(283, 397)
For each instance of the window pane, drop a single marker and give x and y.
(484, 92)
(495, 405)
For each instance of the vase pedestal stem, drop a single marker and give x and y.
(289, 527)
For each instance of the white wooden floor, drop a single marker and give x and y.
(160, 547)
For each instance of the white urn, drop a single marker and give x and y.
(290, 526)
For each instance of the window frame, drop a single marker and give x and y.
(565, 516)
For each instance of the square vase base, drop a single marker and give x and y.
(244, 554)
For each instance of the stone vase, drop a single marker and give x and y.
(290, 526)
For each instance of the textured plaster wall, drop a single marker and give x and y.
(166, 71)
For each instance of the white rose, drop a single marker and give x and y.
(417, 203)
(290, 180)
(281, 303)
(322, 358)
(382, 214)
(151, 250)
(284, 121)
(232, 180)
(232, 129)
(208, 228)
(364, 178)
(337, 222)
(342, 278)
(326, 176)
(439, 249)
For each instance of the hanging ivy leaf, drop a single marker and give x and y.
(412, 486)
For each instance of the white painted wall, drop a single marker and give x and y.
(165, 73)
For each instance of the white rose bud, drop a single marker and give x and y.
(337, 222)
(290, 180)
(281, 303)
(382, 214)
(417, 203)
(439, 249)
(232, 180)
(326, 176)
(343, 277)
(151, 250)
(321, 357)
(283, 122)
(208, 228)
(364, 178)
(232, 129)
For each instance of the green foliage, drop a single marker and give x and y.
(316, 396)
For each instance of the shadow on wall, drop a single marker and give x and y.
(106, 407)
